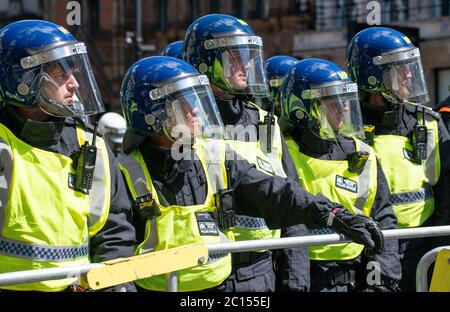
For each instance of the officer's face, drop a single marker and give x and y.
(335, 112)
(183, 115)
(400, 81)
(61, 85)
(405, 76)
(238, 70)
(192, 121)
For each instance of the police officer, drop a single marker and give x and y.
(189, 193)
(174, 49)
(289, 263)
(227, 50)
(276, 68)
(112, 126)
(321, 101)
(57, 209)
(408, 137)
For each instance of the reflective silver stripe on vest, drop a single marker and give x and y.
(411, 197)
(141, 187)
(247, 222)
(97, 201)
(276, 144)
(215, 257)
(213, 165)
(363, 181)
(137, 175)
(273, 155)
(42, 252)
(430, 162)
(215, 176)
(6, 168)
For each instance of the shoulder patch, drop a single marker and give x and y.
(346, 184)
(264, 165)
(206, 224)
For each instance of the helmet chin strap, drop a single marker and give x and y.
(50, 107)
(220, 93)
(243, 97)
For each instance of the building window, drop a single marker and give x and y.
(331, 14)
(240, 8)
(443, 84)
(445, 5)
(214, 6)
(262, 9)
(163, 15)
(13, 10)
(194, 9)
(94, 16)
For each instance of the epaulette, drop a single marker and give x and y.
(73, 123)
(251, 105)
(428, 111)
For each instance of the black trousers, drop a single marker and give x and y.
(252, 272)
(411, 250)
(338, 278)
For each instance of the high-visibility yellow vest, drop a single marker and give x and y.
(252, 228)
(44, 222)
(410, 182)
(356, 192)
(182, 225)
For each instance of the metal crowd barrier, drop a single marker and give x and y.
(221, 248)
(422, 268)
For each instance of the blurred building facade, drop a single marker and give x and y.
(302, 28)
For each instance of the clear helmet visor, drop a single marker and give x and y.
(405, 82)
(241, 71)
(192, 112)
(67, 88)
(337, 115)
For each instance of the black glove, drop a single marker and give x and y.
(358, 228)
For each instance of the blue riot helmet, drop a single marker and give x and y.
(383, 60)
(276, 68)
(317, 94)
(174, 49)
(227, 50)
(162, 95)
(42, 65)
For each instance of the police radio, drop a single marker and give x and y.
(225, 206)
(147, 206)
(369, 131)
(269, 123)
(85, 165)
(224, 200)
(420, 138)
(357, 160)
